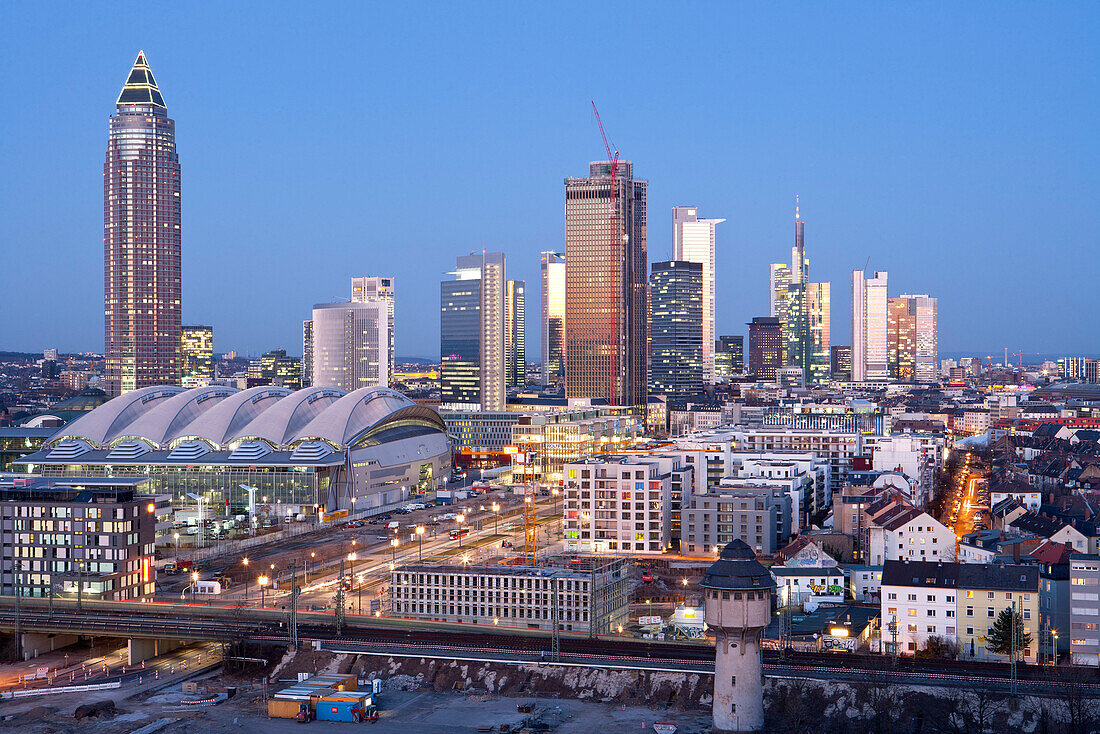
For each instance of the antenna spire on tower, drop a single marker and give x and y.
(796, 207)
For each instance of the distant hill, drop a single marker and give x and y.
(415, 360)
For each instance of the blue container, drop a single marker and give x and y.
(341, 709)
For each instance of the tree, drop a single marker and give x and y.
(1000, 634)
(937, 647)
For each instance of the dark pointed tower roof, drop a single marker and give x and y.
(737, 568)
(141, 87)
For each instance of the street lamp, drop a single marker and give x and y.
(194, 580)
(420, 535)
(496, 518)
(460, 518)
(245, 562)
(263, 581)
(177, 537)
(394, 542)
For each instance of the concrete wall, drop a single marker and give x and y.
(140, 649)
(37, 643)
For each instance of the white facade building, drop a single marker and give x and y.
(693, 241)
(350, 345)
(375, 288)
(619, 504)
(910, 534)
(869, 327)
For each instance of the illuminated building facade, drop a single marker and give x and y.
(693, 240)
(371, 289)
(350, 345)
(606, 285)
(870, 324)
(515, 332)
(765, 347)
(729, 355)
(552, 321)
(472, 334)
(901, 337)
(676, 368)
(141, 240)
(196, 356)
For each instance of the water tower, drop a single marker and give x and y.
(738, 602)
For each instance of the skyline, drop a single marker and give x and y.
(1010, 193)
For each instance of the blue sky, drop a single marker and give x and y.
(953, 144)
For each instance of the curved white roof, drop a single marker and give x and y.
(172, 417)
(112, 418)
(283, 419)
(353, 414)
(155, 417)
(234, 413)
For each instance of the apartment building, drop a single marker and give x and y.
(589, 595)
(958, 602)
(759, 516)
(621, 503)
(898, 531)
(68, 536)
(1084, 611)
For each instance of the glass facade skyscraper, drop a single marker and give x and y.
(515, 333)
(196, 356)
(471, 327)
(552, 319)
(141, 240)
(676, 367)
(693, 240)
(605, 285)
(367, 289)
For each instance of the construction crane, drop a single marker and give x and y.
(526, 458)
(613, 227)
(1021, 356)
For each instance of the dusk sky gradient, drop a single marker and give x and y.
(954, 144)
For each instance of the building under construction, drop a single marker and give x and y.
(582, 594)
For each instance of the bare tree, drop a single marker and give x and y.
(881, 699)
(1077, 706)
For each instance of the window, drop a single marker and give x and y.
(970, 611)
(969, 630)
(733, 680)
(912, 612)
(989, 612)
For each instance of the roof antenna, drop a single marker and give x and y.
(796, 207)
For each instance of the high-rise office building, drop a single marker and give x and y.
(350, 345)
(870, 324)
(196, 356)
(693, 241)
(471, 324)
(923, 313)
(901, 338)
(141, 240)
(307, 353)
(676, 367)
(552, 319)
(841, 362)
(515, 333)
(765, 347)
(375, 288)
(276, 368)
(819, 315)
(803, 309)
(729, 355)
(605, 285)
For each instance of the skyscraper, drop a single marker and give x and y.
(841, 362)
(605, 285)
(870, 350)
(765, 347)
(141, 240)
(729, 355)
(196, 356)
(819, 314)
(472, 333)
(779, 281)
(552, 321)
(515, 333)
(796, 335)
(350, 345)
(901, 337)
(676, 367)
(367, 289)
(693, 241)
(307, 353)
(925, 314)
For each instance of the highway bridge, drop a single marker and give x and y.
(176, 624)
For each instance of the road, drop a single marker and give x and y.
(967, 508)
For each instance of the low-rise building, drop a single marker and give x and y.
(759, 516)
(64, 537)
(957, 602)
(590, 595)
